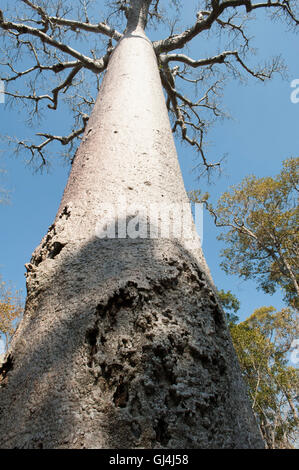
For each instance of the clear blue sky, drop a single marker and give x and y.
(263, 132)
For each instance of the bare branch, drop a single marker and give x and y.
(174, 96)
(218, 59)
(91, 28)
(94, 65)
(67, 82)
(205, 20)
(102, 28)
(64, 140)
(54, 100)
(48, 36)
(48, 139)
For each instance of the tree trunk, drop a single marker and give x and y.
(123, 343)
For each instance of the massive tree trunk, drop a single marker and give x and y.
(123, 343)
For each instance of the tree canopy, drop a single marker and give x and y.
(263, 344)
(230, 305)
(260, 218)
(56, 51)
(10, 311)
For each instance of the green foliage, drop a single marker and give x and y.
(262, 240)
(263, 343)
(230, 305)
(10, 311)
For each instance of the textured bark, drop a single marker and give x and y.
(123, 343)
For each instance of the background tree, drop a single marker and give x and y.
(230, 305)
(10, 312)
(262, 217)
(263, 343)
(123, 342)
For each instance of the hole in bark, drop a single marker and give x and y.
(136, 429)
(172, 400)
(220, 363)
(65, 211)
(160, 351)
(121, 395)
(123, 298)
(56, 249)
(106, 371)
(200, 355)
(91, 339)
(135, 407)
(91, 336)
(162, 434)
(6, 367)
(100, 310)
(217, 315)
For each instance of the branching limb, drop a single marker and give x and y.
(238, 29)
(64, 140)
(54, 99)
(92, 64)
(275, 253)
(205, 20)
(218, 59)
(177, 103)
(56, 68)
(67, 82)
(74, 25)
(39, 150)
(91, 28)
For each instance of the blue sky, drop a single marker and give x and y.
(263, 132)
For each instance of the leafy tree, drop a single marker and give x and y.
(10, 311)
(230, 305)
(263, 343)
(262, 240)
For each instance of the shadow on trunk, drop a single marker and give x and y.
(139, 356)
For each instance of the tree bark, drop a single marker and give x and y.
(137, 15)
(123, 343)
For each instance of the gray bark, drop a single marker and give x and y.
(123, 343)
(137, 14)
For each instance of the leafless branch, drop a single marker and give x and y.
(205, 20)
(50, 37)
(48, 139)
(178, 103)
(95, 65)
(218, 59)
(56, 68)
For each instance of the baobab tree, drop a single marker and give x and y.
(123, 342)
